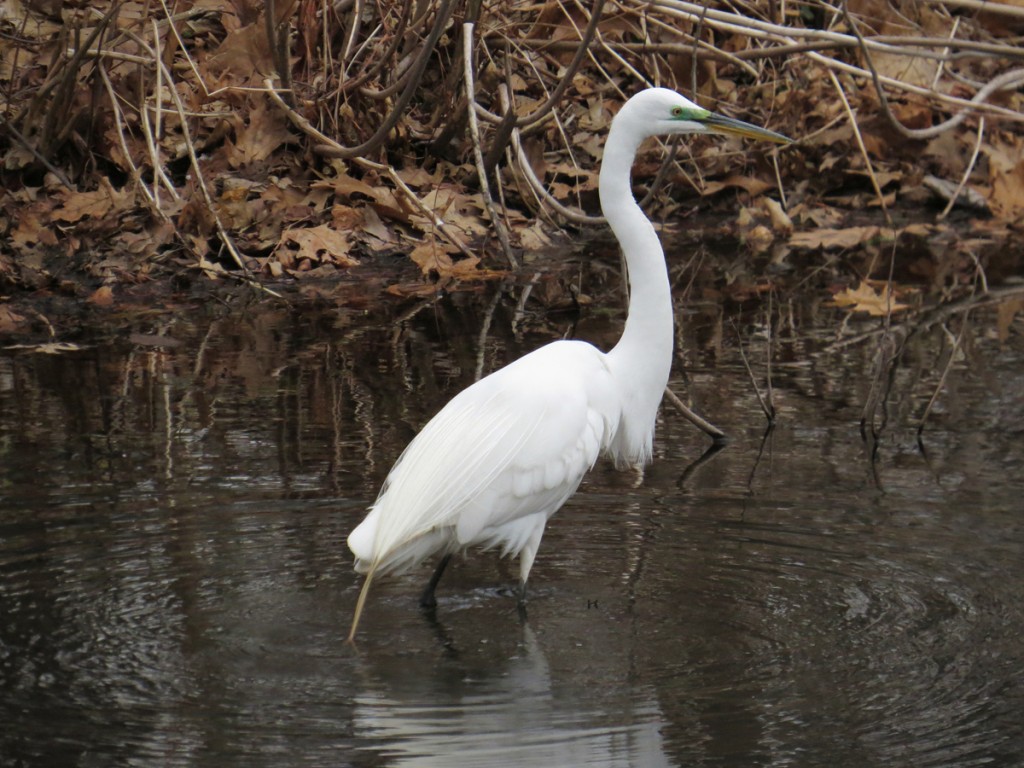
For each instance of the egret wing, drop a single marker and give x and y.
(514, 444)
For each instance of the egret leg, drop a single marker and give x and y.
(526, 556)
(521, 603)
(427, 599)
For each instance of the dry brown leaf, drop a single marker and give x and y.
(266, 131)
(1005, 314)
(864, 298)
(211, 269)
(48, 348)
(455, 208)
(102, 296)
(534, 237)
(391, 206)
(848, 237)
(1006, 174)
(884, 178)
(31, 230)
(10, 320)
(412, 290)
(822, 217)
(316, 244)
(345, 218)
(752, 186)
(581, 178)
(345, 186)
(373, 225)
(32, 25)
(781, 222)
(417, 177)
(433, 259)
(883, 18)
(759, 238)
(1002, 24)
(244, 54)
(95, 204)
(234, 208)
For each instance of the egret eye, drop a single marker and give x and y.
(677, 111)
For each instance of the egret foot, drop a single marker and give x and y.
(427, 599)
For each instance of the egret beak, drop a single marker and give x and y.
(732, 127)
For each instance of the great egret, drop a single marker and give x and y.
(505, 453)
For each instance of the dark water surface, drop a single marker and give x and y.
(175, 588)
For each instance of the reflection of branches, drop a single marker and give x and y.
(893, 338)
(768, 432)
(954, 347)
(924, 320)
(766, 403)
(704, 458)
(485, 327)
(883, 373)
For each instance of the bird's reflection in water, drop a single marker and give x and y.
(496, 707)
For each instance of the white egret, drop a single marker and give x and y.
(504, 454)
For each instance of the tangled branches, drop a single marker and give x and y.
(397, 104)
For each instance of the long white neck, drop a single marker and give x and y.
(643, 356)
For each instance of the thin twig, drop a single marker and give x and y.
(279, 48)
(769, 351)
(485, 328)
(967, 171)
(999, 9)
(860, 144)
(535, 184)
(700, 422)
(910, 133)
(766, 408)
(478, 155)
(541, 112)
(778, 178)
(956, 341)
(119, 125)
(152, 133)
(524, 295)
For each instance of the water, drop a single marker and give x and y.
(175, 589)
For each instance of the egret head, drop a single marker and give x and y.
(660, 111)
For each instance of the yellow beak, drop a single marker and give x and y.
(733, 127)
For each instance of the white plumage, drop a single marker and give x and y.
(537, 426)
(504, 454)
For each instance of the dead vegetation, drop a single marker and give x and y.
(289, 140)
